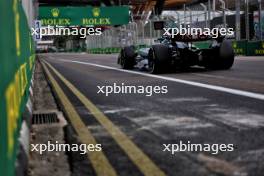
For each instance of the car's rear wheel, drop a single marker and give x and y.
(221, 57)
(158, 59)
(128, 55)
(227, 55)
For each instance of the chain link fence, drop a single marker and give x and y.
(134, 33)
(142, 33)
(243, 18)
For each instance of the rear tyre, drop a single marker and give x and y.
(227, 55)
(158, 59)
(220, 58)
(127, 57)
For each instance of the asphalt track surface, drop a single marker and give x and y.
(201, 106)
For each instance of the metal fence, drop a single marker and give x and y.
(211, 14)
(143, 33)
(134, 33)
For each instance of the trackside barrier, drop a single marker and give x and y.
(255, 48)
(248, 48)
(243, 47)
(16, 68)
(240, 47)
(110, 50)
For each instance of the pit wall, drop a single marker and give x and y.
(17, 59)
(243, 47)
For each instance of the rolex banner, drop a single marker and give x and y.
(65, 16)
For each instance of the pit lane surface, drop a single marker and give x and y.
(185, 113)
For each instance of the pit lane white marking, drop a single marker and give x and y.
(197, 84)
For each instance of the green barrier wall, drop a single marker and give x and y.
(113, 50)
(240, 47)
(243, 47)
(248, 48)
(16, 64)
(255, 48)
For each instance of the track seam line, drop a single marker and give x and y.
(137, 156)
(98, 159)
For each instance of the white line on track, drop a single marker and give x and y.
(197, 84)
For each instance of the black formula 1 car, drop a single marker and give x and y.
(178, 52)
